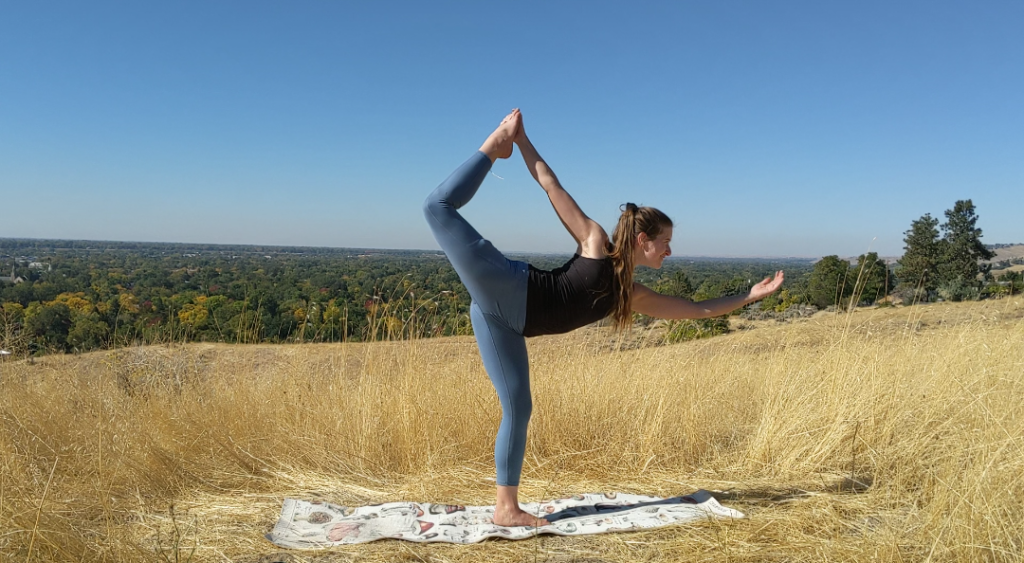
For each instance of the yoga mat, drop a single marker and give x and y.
(316, 525)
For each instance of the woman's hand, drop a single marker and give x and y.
(767, 287)
(520, 136)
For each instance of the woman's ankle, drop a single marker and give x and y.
(489, 151)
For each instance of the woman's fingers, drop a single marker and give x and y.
(768, 285)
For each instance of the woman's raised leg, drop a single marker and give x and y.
(483, 269)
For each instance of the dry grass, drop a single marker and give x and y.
(1006, 253)
(1014, 268)
(889, 435)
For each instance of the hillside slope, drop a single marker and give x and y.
(888, 434)
(1009, 253)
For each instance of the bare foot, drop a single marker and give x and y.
(518, 517)
(499, 143)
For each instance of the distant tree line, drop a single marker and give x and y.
(84, 295)
(90, 297)
(997, 246)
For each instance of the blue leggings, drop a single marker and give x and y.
(498, 311)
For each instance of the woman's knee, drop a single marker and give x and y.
(526, 411)
(519, 410)
(433, 206)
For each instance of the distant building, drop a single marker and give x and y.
(12, 278)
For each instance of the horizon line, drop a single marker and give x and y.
(380, 249)
(434, 251)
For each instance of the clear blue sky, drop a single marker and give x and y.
(763, 128)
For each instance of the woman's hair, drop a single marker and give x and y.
(633, 221)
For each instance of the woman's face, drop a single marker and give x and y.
(652, 252)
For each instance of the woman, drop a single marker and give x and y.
(512, 300)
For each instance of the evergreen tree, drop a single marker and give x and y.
(873, 281)
(963, 248)
(830, 283)
(922, 252)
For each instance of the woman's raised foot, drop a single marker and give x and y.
(499, 144)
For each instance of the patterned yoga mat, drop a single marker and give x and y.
(316, 525)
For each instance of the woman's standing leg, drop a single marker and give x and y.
(503, 351)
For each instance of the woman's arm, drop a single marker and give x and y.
(588, 233)
(654, 304)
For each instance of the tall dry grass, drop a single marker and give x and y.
(889, 435)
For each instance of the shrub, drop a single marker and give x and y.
(907, 295)
(692, 329)
(959, 290)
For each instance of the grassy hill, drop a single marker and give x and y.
(1014, 252)
(889, 434)
(1009, 252)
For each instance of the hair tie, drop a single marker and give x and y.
(631, 207)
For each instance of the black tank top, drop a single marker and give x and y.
(576, 294)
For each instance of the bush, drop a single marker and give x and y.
(692, 329)
(909, 295)
(959, 290)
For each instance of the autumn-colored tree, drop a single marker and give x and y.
(193, 315)
(128, 303)
(76, 302)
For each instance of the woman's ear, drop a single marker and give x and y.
(641, 238)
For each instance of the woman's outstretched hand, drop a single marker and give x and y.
(520, 137)
(767, 287)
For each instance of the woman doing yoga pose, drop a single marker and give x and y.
(512, 300)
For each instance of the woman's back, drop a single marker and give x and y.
(576, 294)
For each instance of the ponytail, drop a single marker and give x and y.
(633, 221)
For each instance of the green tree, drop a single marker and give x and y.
(873, 281)
(87, 332)
(49, 324)
(963, 248)
(829, 284)
(922, 251)
(677, 286)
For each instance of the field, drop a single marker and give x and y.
(1006, 253)
(1016, 268)
(892, 434)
